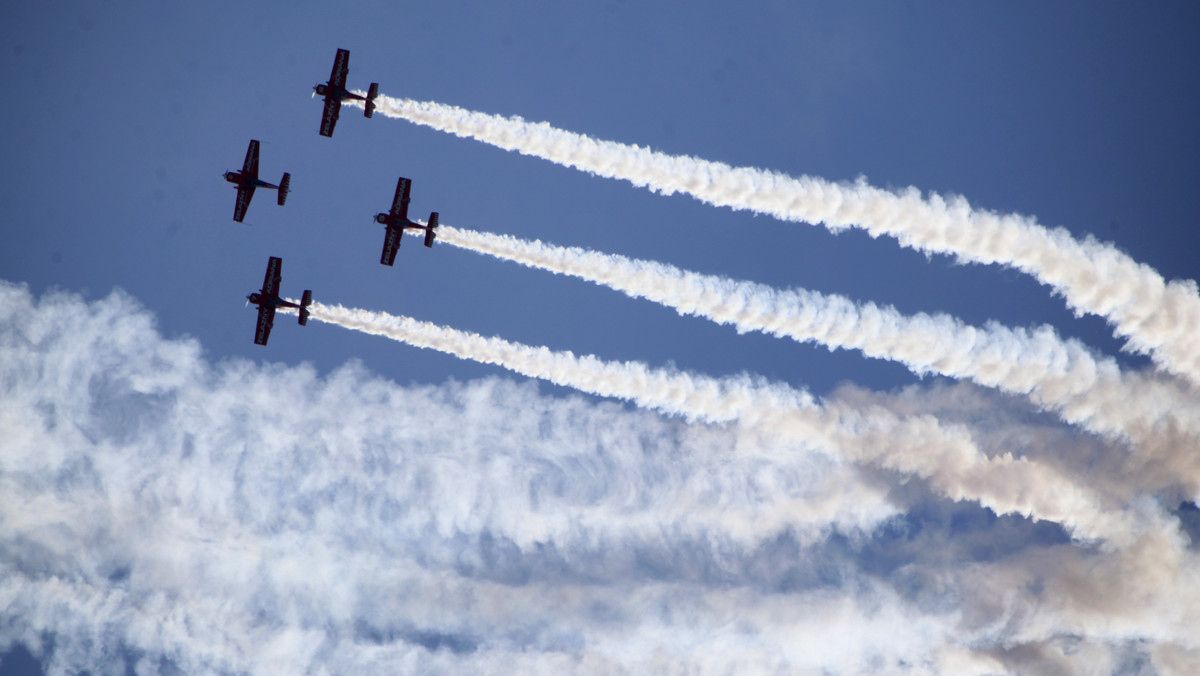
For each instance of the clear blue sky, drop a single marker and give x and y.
(120, 119)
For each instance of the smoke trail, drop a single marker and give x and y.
(1060, 375)
(1157, 317)
(945, 456)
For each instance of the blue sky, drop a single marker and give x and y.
(121, 120)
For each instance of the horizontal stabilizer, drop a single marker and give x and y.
(430, 233)
(371, 94)
(304, 303)
(284, 187)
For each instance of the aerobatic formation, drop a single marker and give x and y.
(1152, 417)
(246, 180)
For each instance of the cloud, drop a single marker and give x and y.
(162, 509)
(236, 516)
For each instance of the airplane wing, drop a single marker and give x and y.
(266, 318)
(329, 118)
(270, 285)
(245, 192)
(391, 244)
(341, 67)
(400, 201)
(250, 166)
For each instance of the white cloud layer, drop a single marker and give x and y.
(163, 512)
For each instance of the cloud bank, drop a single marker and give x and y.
(162, 512)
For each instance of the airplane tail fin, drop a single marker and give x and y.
(284, 187)
(429, 232)
(372, 92)
(304, 303)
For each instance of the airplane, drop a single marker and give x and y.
(335, 92)
(247, 180)
(397, 220)
(268, 301)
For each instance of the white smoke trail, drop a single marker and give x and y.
(945, 456)
(1157, 317)
(1061, 375)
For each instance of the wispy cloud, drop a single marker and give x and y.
(242, 517)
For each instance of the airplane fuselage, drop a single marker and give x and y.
(238, 179)
(275, 302)
(396, 221)
(336, 93)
